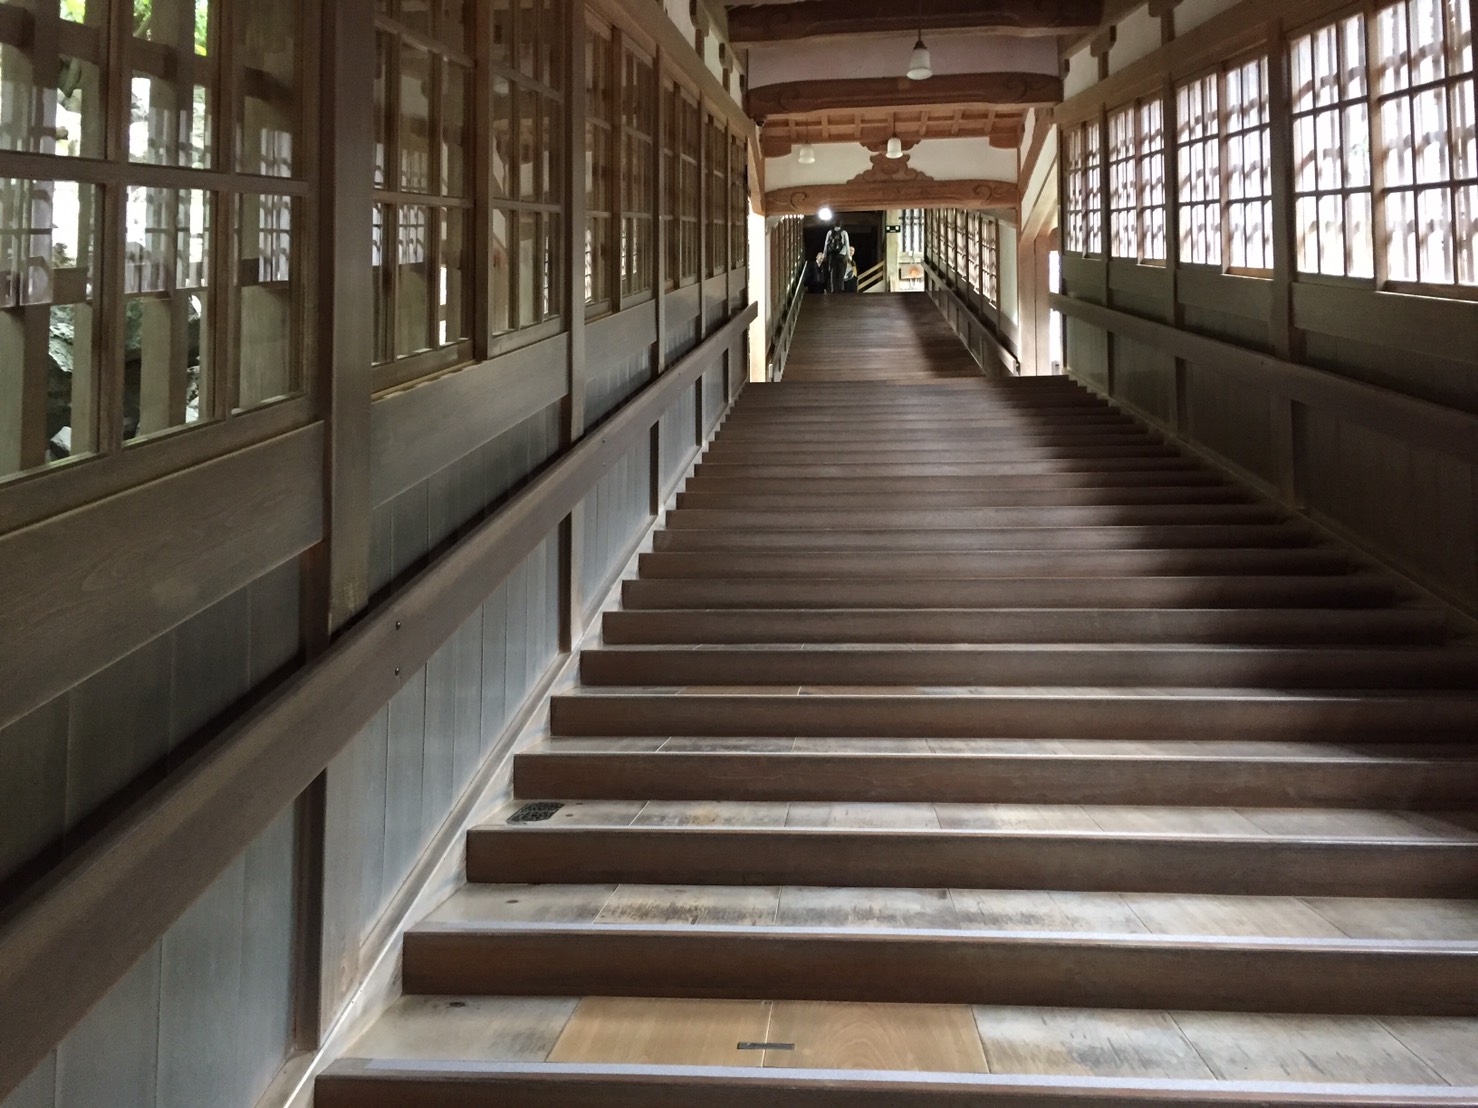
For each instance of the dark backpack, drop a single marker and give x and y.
(836, 244)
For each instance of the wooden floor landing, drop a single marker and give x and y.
(965, 743)
(896, 336)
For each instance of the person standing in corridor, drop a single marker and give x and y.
(838, 252)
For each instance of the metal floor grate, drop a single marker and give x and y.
(535, 813)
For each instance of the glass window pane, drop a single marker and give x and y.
(500, 272)
(414, 131)
(170, 103)
(268, 60)
(452, 285)
(456, 135)
(412, 281)
(267, 352)
(47, 382)
(166, 310)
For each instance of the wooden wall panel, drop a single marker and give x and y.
(1086, 351)
(418, 431)
(611, 385)
(1144, 378)
(714, 400)
(616, 514)
(206, 1016)
(1232, 420)
(113, 576)
(682, 335)
(676, 440)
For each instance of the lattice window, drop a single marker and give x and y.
(1084, 170)
(911, 239)
(638, 191)
(1152, 181)
(716, 151)
(1198, 147)
(600, 167)
(1428, 142)
(1249, 173)
(1137, 181)
(196, 149)
(1124, 183)
(525, 226)
(423, 187)
(990, 260)
(688, 121)
(1334, 202)
(738, 204)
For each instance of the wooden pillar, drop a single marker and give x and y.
(572, 534)
(336, 577)
(1285, 340)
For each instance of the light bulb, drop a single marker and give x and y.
(895, 147)
(806, 154)
(824, 214)
(919, 68)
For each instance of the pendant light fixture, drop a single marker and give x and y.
(895, 147)
(806, 154)
(919, 68)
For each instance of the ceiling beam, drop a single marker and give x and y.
(779, 138)
(1006, 90)
(886, 195)
(760, 23)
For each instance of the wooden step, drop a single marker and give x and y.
(394, 1083)
(1109, 565)
(1164, 536)
(928, 470)
(925, 519)
(1183, 593)
(1023, 442)
(1001, 485)
(1084, 861)
(926, 497)
(1409, 626)
(1116, 453)
(1326, 976)
(1338, 780)
(1019, 714)
(1126, 664)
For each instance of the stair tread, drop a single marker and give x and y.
(1070, 819)
(966, 912)
(1270, 750)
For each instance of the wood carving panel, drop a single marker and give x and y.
(885, 195)
(1010, 90)
(752, 23)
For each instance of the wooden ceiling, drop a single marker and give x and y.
(831, 19)
(817, 67)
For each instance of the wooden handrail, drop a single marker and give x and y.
(1004, 354)
(68, 942)
(1432, 426)
(877, 273)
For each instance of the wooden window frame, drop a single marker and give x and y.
(638, 200)
(1136, 162)
(100, 444)
(393, 199)
(1083, 163)
(1323, 209)
(1198, 136)
(1383, 101)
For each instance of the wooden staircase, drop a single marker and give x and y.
(964, 743)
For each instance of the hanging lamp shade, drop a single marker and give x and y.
(806, 154)
(895, 147)
(919, 68)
